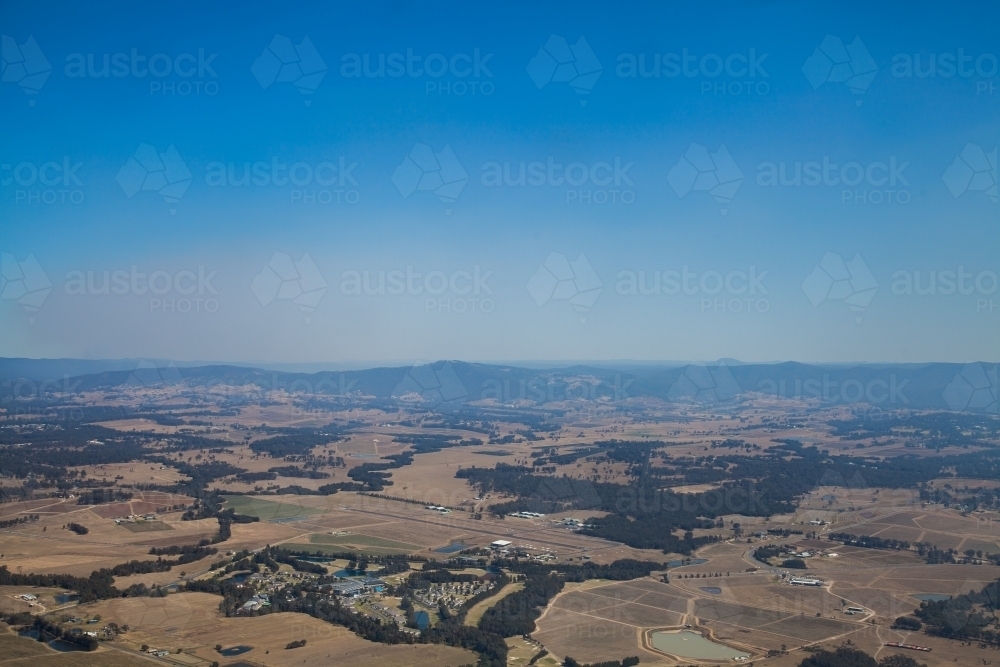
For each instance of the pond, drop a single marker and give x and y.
(423, 620)
(686, 561)
(239, 578)
(452, 548)
(235, 650)
(689, 644)
(931, 597)
(714, 590)
(64, 646)
(63, 598)
(343, 574)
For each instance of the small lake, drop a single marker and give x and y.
(930, 597)
(686, 561)
(343, 574)
(452, 548)
(714, 590)
(235, 650)
(423, 620)
(66, 597)
(239, 578)
(689, 644)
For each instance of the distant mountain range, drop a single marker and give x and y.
(448, 384)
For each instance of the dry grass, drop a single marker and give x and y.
(191, 621)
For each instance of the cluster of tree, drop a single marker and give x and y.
(101, 496)
(783, 532)
(251, 477)
(298, 643)
(226, 519)
(794, 564)
(567, 458)
(47, 630)
(847, 656)
(452, 630)
(907, 623)
(98, 586)
(869, 541)
(296, 441)
(962, 617)
(735, 443)
(644, 515)
(188, 553)
(538, 656)
(631, 661)
(641, 515)
(297, 564)
(27, 518)
(77, 528)
(934, 430)
(51, 450)
(332, 611)
(934, 555)
(296, 471)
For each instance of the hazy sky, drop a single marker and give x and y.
(530, 182)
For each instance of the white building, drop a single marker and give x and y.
(806, 582)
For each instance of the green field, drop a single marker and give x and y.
(145, 526)
(365, 544)
(267, 510)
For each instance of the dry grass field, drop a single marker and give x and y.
(190, 621)
(22, 652)
(596, 620)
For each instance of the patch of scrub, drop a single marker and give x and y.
(930, 597)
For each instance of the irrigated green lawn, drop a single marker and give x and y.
(266, 510)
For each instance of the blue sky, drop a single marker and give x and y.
(915, 151)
